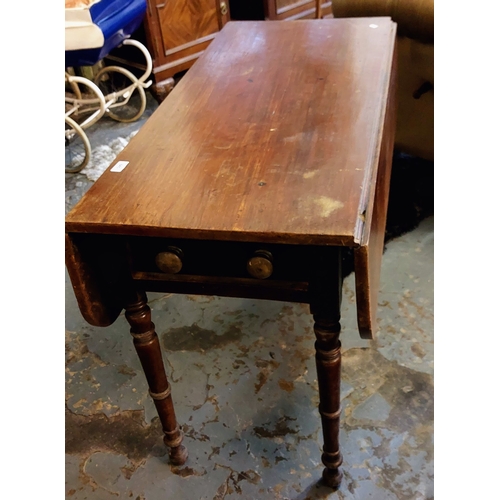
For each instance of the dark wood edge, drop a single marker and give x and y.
(225, 287)
(365, 210)
(98, 305)
(366, 326)
(190, 278)
(368, 256)
(202, 234)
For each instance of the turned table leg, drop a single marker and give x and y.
(326, 294)
(146, 343)
(328, 367)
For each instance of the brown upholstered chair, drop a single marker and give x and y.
(415, 19)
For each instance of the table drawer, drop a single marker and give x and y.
(183, 257)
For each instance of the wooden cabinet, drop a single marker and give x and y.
(177, 32)
(292, 9)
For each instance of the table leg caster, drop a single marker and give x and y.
(178, 455)
(332, 478)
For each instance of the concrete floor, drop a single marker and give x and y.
(244, 386)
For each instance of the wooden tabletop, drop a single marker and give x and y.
(273, 135)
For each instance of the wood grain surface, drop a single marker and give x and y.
(272, 136)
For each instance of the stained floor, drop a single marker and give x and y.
(244, 385)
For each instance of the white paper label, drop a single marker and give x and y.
(120, 165)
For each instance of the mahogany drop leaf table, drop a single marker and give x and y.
(270, 157)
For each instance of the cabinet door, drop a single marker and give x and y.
(295, 9)
(182, 30)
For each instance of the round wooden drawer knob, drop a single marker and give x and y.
(260, 266)
(170, 261)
